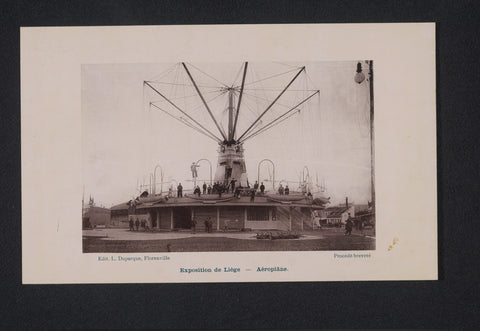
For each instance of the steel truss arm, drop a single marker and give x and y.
(204, 102)
(184, 121)
(271, 105)
(279, 118)
(183, 112)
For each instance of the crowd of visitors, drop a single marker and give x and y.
(134, 225)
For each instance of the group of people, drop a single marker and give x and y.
(220, 187)
(135, 225)
(217, 188)
(208, 225)
(282, 190)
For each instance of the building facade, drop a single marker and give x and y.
(226, 214)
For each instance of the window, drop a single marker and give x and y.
(257, 214)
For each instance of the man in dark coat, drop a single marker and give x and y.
(348, 226)
(262, 188)
(209, 221)
(179, 190)
(204, 188)
(193, 225)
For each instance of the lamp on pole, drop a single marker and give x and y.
(258, 171)
(359, 78)
(155, 179)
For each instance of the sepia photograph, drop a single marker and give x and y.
(248, 156)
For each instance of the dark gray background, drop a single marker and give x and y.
(451, 302)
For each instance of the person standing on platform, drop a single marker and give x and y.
(131, 224)
(137, 224)
(193, 168)
(179, 190)
(252, 196)
(262, 188)
(204, 188)
(287, 190)
(255, 186)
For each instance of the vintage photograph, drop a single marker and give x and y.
(228, 156)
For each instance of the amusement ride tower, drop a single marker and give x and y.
(231, 160)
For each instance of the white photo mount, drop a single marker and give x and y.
(53, 158)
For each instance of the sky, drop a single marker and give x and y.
(124, 139)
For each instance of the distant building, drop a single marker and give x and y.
(119, 215)
(122, 213)
(366, 217)
(336, 216)
(94, 216)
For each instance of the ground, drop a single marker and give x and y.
(125, 241)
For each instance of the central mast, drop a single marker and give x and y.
(230, 115)
(231, 161)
